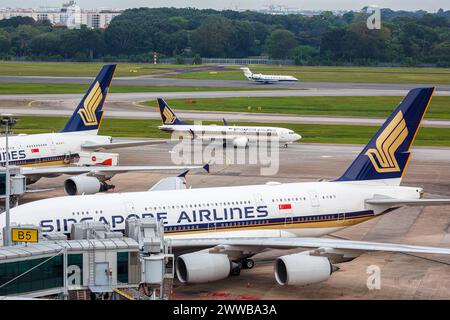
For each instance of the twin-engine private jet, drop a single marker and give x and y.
(237, 136)
(50, 154)
(218, 230)
(266, 78)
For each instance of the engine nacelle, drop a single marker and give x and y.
(302, 269)
(84, 185)
(241, 142)
(201, 267)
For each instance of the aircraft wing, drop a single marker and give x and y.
(114, 145)
(408, 202)
(289, 243)
(99, 170)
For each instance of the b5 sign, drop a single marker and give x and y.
(24, 235)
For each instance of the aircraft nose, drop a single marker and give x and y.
(297, 137)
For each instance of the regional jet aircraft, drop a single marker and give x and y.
(77, 141)
(237, 136)
(266, 78)
(224, 227)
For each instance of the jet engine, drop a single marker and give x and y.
(201, 267)
(302, 269)
(241, 142)
(85, 185)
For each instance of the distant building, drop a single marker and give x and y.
(70, 15)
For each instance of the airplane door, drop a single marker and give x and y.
(130, 210)
(314, 198)
(259, 200)
(341, 216)
(51, 146)
(211, 227)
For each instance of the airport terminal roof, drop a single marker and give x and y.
(53, 247)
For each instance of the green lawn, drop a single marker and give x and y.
(41, 88)
(304, 73)
(329, 106)
(12, 68)
(334, 74)
(310, 133)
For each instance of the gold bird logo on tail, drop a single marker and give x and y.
(170, 117)
(90, 105)
(383, 157)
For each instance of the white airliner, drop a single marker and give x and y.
(266, 78)
(223, 227)
(237, 136)
(77, 141)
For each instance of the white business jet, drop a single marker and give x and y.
(266, 78)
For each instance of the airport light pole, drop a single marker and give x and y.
(8, 121)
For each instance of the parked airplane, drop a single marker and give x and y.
(266, 78)
(77, 141)
(228, 225)
(238, 136)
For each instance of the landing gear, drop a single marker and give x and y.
(248, 263)
(285, 145)
(236, 271)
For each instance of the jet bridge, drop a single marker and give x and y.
(96, 262)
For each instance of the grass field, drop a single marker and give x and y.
(331, 106)
(304, 73)
(12, 68)
(310, 133)
(48, 88)
(334, 74)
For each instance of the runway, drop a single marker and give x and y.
(130, 110)
(141, 96)
(156, 80)
(402, 276)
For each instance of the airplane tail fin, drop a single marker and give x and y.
(387, 154)
(88, 115)
(247, 72)
(167, 115)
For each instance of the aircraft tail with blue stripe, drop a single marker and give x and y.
(168, 116)
(386, 156)
(88, 115)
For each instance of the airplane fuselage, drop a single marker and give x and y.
(46, 149)
(271, 210)
(231, 133)
(266, 78)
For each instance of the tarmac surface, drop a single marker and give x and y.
(156, 80)
(135, 110)
(403, 276)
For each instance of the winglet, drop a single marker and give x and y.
(183, 174)
(193, 135)
(206, 167)
(225, 122)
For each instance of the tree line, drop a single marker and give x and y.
(405, 38)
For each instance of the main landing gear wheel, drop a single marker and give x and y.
(236, 271)
(248, 263)
(285, 145)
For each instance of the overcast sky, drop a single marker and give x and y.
(410, 5)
